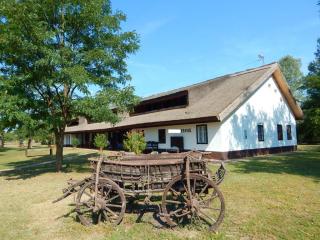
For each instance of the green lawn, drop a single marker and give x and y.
(14, 157)
(270, 197)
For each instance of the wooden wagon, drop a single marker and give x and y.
(189, 190)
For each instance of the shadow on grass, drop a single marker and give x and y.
(72, 163)
(133, 208)
(146, 214)
(304, 163)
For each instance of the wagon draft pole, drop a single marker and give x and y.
(189, 190)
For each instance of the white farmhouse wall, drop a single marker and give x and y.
(266, 106)
(190, 138)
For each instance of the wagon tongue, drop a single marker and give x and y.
(74, 186)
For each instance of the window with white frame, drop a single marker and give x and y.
(260, 132)
(202, 134)
(289, 133)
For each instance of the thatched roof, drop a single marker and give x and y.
(211, 100)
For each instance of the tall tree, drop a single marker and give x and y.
(291, 69)
(53, 53)
(6, 123)
(310, 127)
(29, 128)
(2, 133)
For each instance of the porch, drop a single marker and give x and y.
(86, 139)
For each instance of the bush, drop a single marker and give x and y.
(75, 142)
(10, 136)
(135, 142)
(100, 141)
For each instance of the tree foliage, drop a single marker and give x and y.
(10, 136)
(134, 142)
(101, 141)
(53, 53)
(44, 135)
(310, 127)
(75, 142)
(291, 69)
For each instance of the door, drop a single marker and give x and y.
(177, 142)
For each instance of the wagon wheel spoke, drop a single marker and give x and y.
(112, 212)
(175, 192)
(178, 194)
(204, 216)
(87, 204)
(105, 215)
(211, 208)
(84, 210)
(99, 217)
(114, 205)
(206, 202)
(109, 190)
(88, 194)
(176, 211)
(203, 189)
(174, 201)
(194, 186)
(186, 190)
(113, 198)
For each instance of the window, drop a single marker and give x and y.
(245, 134)
(280, 133)
(202, 134)
(289, 133)
(176, 100)
(260, 133)
(162, 135)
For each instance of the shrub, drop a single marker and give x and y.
(75, 142)
(100, 141)
(134, 142)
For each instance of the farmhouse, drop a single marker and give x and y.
(240, 114)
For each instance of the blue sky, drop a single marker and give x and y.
(184, 42)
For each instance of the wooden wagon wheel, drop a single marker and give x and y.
(110, 204)
(206, 203)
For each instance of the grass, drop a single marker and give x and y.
(14, 157)
(270, 197)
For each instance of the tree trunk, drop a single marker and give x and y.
(2, 140)
(59, 150)
(50, 149)
(29, 143)
(20, 143)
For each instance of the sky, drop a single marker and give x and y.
(183, 42)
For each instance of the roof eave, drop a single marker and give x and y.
(284, 88)
(151, 124)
